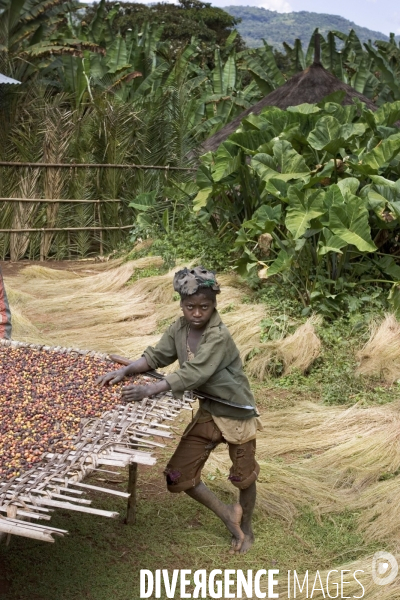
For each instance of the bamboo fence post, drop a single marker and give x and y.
(131, 508)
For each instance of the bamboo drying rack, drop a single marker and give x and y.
(119, 438)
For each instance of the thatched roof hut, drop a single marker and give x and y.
(311, 86)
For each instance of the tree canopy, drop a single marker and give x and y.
(180, 22)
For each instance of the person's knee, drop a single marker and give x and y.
(176, 483)
(245, 469)
(243, 481)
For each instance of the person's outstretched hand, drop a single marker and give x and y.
(134, 393)
(111, 378)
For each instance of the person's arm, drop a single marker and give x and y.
(138, 366)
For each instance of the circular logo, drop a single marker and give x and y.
(384, 568)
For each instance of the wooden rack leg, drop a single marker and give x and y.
(131, 508)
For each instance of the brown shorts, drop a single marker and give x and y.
(184, 468)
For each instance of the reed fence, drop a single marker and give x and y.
(38, 227)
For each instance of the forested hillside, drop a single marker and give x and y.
(258, 24)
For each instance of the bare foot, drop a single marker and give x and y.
(232, 519)
(247, 543)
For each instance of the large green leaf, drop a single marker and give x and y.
(229, 74)
(251, 140)
(350, 184)
(144, 201)
(200, 201)
(304, 206)
(287, 159)
(330, 243)
(225, 163)
(326, 135)
(267, 168)
(282, 263)
(380, 156)
(388, 265)
(388, 114)
(349, 221)
(218, 74)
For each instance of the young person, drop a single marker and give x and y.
(209, 363)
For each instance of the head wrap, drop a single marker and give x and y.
(190, 281)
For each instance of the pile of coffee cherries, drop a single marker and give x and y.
(43, 397)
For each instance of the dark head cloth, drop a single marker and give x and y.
(189, 281)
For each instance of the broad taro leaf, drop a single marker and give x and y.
(351, 130)
(251, 140)
(200, 201)
(388, 266)
(277, 188)
(375, 201)
(304, 109)
(288, 160)
(326, 135)
(267, 217)
(330, 135)
(350, 184)
(380, 156)
(267, 168)
(304, 206)
(227, 161)
(388, 114)
(349, 221)
(204, 177)
(331, 243)
(264, 165)
(283, 262)
(344, 114)
(144, 201)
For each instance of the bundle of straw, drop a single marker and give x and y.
(379, 507)
(296, 351)
(380, 356)
(304, 427)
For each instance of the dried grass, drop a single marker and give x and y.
(243, 323)
(47, 273)
(24, 330)
(309, 427)
(299, 351)
(359, 462)
(296, 351)
(379, 508)
(380, 356)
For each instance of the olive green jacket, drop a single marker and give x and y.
(216, 368)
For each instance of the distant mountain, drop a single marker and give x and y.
(259, 23)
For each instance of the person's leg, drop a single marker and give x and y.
(230, 514)
(243, 475)
(183, 474)
(247, 502)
